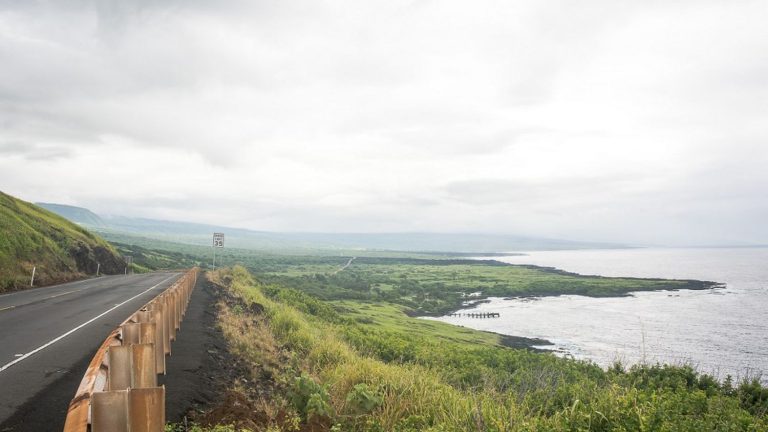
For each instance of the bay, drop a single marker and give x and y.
(719, 331)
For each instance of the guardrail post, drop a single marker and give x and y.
(147, 409)
(143, 370)
(119, 358)
(131, 333)
(141, 330)
(154, 316)
(109, 412)
(157, 307)
(147, 332)
(171, 305)
(177, 301)
(159, 343)
(132, 366)
(132, 410)
(160, 306)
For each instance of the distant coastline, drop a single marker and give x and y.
(663, 285)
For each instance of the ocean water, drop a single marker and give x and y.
(720, 331)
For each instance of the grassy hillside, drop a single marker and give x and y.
(31, 236)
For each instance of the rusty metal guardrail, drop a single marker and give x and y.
(119, 392)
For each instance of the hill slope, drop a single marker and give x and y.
(61, 251)
(78, 215)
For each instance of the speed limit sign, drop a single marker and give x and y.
(218, 240)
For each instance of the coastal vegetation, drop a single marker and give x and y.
(437, 286)
(355, 364)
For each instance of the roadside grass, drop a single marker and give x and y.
(325, 370)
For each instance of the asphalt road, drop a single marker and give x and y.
(48, 336)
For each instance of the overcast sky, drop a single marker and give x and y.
(629, 121)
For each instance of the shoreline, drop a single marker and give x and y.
(690, 284)
(522, 342)
(536, 344)
(695, 283)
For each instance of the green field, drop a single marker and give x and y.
(341, 350)
(424, 283)
(438, 286)
(358, 365)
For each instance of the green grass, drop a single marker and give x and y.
(392, 317)
(437, 286)
(60, 250)
(427, 284)
(357, 366)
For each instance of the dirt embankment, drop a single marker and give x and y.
(207, 383)
(240, 377)
(81, 261)
(199, 367)
(88, 259)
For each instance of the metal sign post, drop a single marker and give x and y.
(218, 242)
(128, 263)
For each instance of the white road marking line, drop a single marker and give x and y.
(6, 295)
(53, 341)
(50, 297)
(44, 298)
(65, 293)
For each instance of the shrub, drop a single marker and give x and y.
(362, 399)
(309, 398)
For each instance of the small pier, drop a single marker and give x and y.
(476, 315)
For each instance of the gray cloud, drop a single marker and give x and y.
(538, 192)
(605, 120)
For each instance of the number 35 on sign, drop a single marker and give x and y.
(218, 240)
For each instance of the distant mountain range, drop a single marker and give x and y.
(200, 234)
(77, 215)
